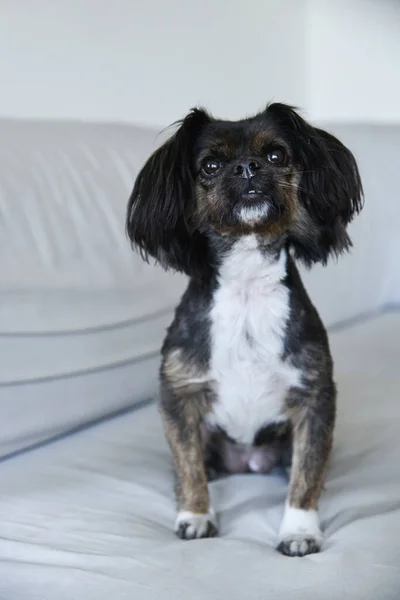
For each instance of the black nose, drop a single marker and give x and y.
(247, 169)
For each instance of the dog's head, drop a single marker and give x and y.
(273, 174)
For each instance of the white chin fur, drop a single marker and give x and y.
(251, 214)
(300, 524)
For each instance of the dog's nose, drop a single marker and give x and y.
(247, 169)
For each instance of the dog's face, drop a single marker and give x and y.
(245, 178)
(272, 174)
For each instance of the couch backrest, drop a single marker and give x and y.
(63, 194)
(64, 188)
(369, 277)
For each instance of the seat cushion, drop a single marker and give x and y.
(90, 517)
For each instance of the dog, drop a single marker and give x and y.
(247, 375)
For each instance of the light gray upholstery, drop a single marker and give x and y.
(81, 315)
(90, 517)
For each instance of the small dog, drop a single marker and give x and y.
(247, 376)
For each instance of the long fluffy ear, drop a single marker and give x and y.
(159, 211)
(329, 190)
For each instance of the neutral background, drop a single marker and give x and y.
(149, 61)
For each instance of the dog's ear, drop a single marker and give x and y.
(162, 202)
(329, 189)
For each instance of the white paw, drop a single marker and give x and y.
(299, 533)
(190, 526)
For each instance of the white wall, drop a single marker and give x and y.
(149, 61)
(353, 57)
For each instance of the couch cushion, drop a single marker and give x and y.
(90, 517)
(81, 316)
(63, 194)
(368, 277)
(64, 188)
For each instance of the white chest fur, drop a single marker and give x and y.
(248, 321)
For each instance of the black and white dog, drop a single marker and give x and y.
(246, 376)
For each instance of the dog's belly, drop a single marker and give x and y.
(273, 448)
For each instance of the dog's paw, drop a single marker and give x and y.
(299, 546)
(191, 526)
(299, 533)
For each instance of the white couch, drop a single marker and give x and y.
(86, 498)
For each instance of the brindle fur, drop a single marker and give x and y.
(183, 403)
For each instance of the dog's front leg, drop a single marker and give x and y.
(182, 420)
(312, 423)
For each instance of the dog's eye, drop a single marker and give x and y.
(277, 156)
(211, 166)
